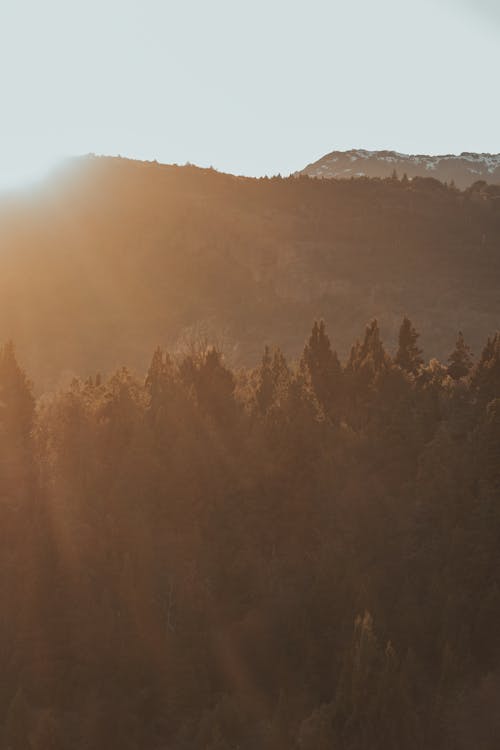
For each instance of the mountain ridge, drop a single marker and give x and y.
(116, 257)
(462, 169)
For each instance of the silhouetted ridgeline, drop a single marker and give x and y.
(113, 257)
(287, 558)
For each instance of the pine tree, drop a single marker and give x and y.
(368, 358)
(485, 380)
(357, 685)
(460, 360)
(372, 349)
(17, 409)
(159, 379)
(213, 383)
(409, 356)
(16, 397)
(323, 366)
(273, 381)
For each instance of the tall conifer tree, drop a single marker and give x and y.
(408, 356)
(460, 360)
(323, 366)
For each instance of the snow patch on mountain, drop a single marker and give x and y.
(463, 169)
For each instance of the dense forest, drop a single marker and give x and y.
(111, 258)
(300, 555)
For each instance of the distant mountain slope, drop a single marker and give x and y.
(115, 257)
(463, 170)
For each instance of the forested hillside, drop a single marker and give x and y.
(288, 557)
(111, 258)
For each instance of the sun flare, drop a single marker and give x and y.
(23, 168)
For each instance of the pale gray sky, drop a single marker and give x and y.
(255, 87)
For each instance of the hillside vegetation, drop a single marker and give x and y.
(282, 558)
(111, 258)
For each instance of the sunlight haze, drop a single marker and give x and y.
(249, 88)
(249, 375)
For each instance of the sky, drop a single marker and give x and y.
(255, 87)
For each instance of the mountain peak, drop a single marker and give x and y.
(464, 169)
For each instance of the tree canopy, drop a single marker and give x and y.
(299, 555)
